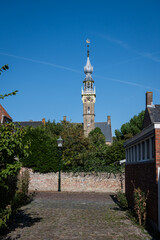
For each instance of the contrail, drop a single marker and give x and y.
(128, 47)
(77, 71)
(128, 83)
(119, 63)
(41, 62)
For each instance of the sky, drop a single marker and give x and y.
(44, 44)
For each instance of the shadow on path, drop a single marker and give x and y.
(20, 220)
(154, 233)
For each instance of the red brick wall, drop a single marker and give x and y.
(157, 150)
(143, 175)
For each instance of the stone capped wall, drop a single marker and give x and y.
(78, 182)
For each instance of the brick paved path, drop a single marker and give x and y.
(67, 216)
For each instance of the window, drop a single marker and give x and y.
(148, 149)
(139, 151)
(153, 146)
(132, 154)
(127, 155)
(135, 152)
(143, 150)
(88, 124)
(88, 110)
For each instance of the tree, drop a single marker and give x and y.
(74, 147)
(12, 150)
(43, 155)
(53, 129)
(95, 157)
(96, 136)
(115, 152)
(130, 128)
(4, 68)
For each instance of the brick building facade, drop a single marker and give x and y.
(143, 162)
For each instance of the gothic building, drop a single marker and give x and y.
(89, 99)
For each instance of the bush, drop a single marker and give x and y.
(22, 196)
(5, 215)
(43, 155)
(140, 204)
(121, 197)
(11, 149)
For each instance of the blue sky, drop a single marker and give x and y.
(44, 44)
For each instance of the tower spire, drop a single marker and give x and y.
(88, 69)
(88, 96)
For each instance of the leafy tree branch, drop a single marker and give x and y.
(4, 68)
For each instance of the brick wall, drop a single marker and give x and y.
(143, 175)
(82, 182)
(157, 150)
(157, 160)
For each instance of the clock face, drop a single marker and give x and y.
(89, 99)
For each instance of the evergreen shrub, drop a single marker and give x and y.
(122, 200)
(12, 149)
(43, 155)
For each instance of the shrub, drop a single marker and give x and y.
(121, 197)
(11, 149)
(140, 204)
(22, 197)
(43, 155)
(5, 215)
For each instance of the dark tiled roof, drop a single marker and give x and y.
(29, 124)
(154, 113)
(106, 130)
(3, 112)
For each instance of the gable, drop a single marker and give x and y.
(147, 119)
(152, 115)
(106, 130)
(4, 114)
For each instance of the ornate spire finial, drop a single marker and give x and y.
(88, 42)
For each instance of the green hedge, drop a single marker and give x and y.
(12, 148)
(43, 155)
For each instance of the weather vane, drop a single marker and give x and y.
(88, 42)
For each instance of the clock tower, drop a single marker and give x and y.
(88, 97)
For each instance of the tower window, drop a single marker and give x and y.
(88, 124)
(88, 110)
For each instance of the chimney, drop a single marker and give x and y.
(43, 121)
(149, 99)
(109, 120)
(64, 118)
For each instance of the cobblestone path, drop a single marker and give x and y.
(67, 216)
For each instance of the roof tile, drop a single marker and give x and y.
(4, 112)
